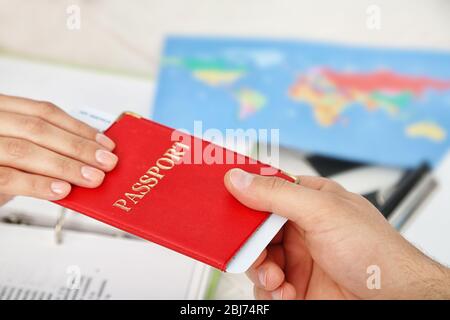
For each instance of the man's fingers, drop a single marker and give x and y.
(297, 203)
(321, 184)
(27, 156)
(261, 294)
(278, 237)
(5, 198)
(15, 182)
(268, 275)
(285, 291)
(259, 260)
(267, 271)
(51, 113)
(51, 137)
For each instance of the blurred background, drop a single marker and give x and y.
(96, 58)
(128, 36)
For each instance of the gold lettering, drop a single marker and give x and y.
(160, 164)
(182, 145)
(142, 189)
(122, 204)
(152, 177)
(133, 197)
(144, 179)
(174, 154)
(154, 171)
(152, 182)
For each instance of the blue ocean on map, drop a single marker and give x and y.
(374, 105)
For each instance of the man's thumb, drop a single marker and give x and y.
(273, 194)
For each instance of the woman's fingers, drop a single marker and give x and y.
(29, 157)
(51, 113)
(15, 182)
(47, 135)
(43, 150)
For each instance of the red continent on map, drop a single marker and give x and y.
(383, 81)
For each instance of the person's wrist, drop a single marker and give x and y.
(438, 286)
(432, 281)
(409, 274)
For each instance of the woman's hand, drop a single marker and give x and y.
(43, 151)
(336, 245)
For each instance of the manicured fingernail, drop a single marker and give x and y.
(262, 277)
(277, 294)
(105, 141)
(106, 158)
(60, 188)
(240, 179)
(92, 174)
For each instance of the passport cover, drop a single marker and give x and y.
(159, 193)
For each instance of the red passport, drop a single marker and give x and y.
(161, 193)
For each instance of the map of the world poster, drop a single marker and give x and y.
(383, 106)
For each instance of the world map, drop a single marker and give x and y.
(329, 93)
(219, 74)
(389, 107)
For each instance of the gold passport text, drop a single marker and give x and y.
(152, 177)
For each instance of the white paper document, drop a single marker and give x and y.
(92, 267)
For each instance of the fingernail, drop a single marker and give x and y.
(92, 174)
(277, 294)
(105, 141)
(106, 158)
(240, 179)
(60, 188)
(262, 277)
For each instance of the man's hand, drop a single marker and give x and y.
(4, 199)
(331, 244)
(43, 151)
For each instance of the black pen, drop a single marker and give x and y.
(406, 183)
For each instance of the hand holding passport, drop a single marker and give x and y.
(333, 239)
(44, 151)
(159, 192)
